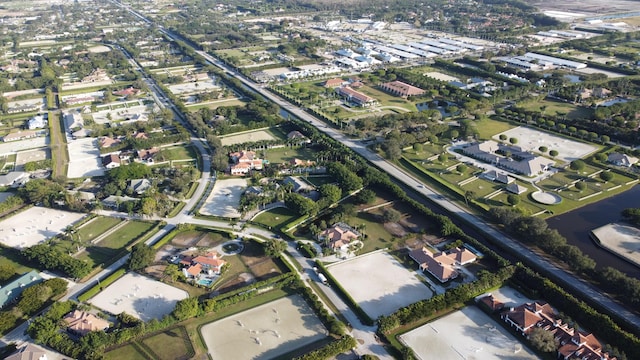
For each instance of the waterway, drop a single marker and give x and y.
(576, 225)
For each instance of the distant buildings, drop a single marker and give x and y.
(356, 97)
(19, 135)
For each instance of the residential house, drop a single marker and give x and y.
(601, 93)
(442, 265)
(297, 183)
(73, 120)
(11, 291)
(114, 201)
(130, 91)
(106, 141)
(14, 178)
(36, 122)
(147, 155)
(19, 135)
(334, 83)
(401, 89)
(297, 135)
(111, 161)
(244, 162)
(518, 161)
(139, 186)
(339, 235)
(573, 344)
(620, 159)
(81, 323)
(24, 108)
(299, 162)
(492, 303)
(28, 352)
(210, 263)
(255, 190)
(356, 97)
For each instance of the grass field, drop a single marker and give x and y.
(97, 227)
(171, 344)
(275, 217)
(557, 107)
(104, 251)
(283, 155)
(10, 256)
(129, 352)
(180, 152)
(488, 127)
(58, 145)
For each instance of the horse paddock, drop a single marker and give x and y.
(264, 332)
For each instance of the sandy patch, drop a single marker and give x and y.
(465, 334)
(224, 199)
(246, 138)
(264, 332)
(379, 283)
(34, 225)
(84, 158)
(139, 296)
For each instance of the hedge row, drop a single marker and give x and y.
(330, 350)
(93, 291)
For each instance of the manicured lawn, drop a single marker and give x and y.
(275, 217)
(387, 99)
(556, 107)
(129, 352)
(489, 127)
(284, 155)
(180, 152)
(169, 345)
(481, 187)
(454, 177)
(97, 227)
(12, 257)
(318, 180)
(104, 251)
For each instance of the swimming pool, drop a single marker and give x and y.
(204, 282)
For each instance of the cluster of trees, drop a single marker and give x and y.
(346, 178)
(53, 258)
(632, 215)
(334, 348)
(32, 300)
(304, 206)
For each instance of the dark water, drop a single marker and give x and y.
(575, 226)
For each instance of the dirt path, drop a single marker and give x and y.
(58, 145)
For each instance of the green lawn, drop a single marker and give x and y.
(97, 227)
(481, 187)
(556, 107)
(283, 155)
(318, 180)
(488, 127)
(104, 251)
(275, 217)
(388, 99)
(180, 152)
(129, 352)
(10, 256)
(169, 345)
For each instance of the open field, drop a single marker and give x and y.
(531, 139)
(129, 352)
(84, 158)
(487, 127)
(103, 252)
(264, 332)
(246, 137)
(97, 227)
(225, 198)
(465, 334)
(275, 217)
(284, 155)
(557, 107)
(35, 225)
(172, 344)
(139, 296)
(379, 283)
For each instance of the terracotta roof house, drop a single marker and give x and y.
(300, 162)
(193, 271)
(106, 141)
(334, 83)
(29, 352)
(622, 159)
(398, 88)
(111, 161)
(442, 265)
(82, 322)
(492, 303)
(244, 162)
(141, 135)
(355, 97)
(147, 155)
(339, 235)
(210, 261)
(126, 92)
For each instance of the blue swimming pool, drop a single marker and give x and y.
(204, 282)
